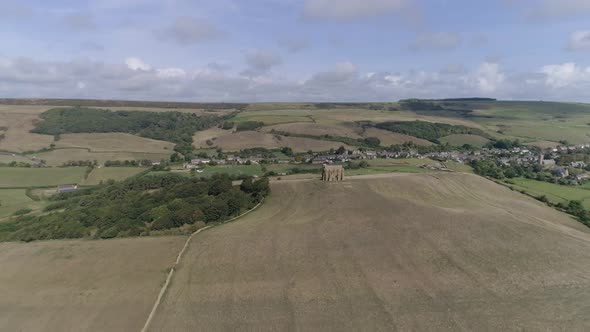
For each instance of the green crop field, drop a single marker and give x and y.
(12, 200)
(11, 177)
(554, 192)
(227, 169)
(115, 173)
(461, 139)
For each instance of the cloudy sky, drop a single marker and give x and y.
(295, 50)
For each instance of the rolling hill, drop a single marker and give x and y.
(428, 252)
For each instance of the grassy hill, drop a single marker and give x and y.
(442, 252)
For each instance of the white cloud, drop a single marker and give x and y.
(350, 9)
(25, 77)
(171, 73)
(579, 41)
(489, 77)
(436, 41)
(566, 74)
(137, 64)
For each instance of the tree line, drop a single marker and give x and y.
(430, 131)
(138, 206)
(176, 127)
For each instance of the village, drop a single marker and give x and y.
(569, 163)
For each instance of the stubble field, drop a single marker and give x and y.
(426, 252)
(82, 285)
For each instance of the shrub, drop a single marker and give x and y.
(21, 212)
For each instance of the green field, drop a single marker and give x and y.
(115, 173)
(227, 169)
(12, 200)
(385, 169)
(13, 177)
(554, 192)
(461, 139)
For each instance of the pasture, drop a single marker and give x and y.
(58, 157)
(442, 252)
(103, 174)
(250, 139)
(555, 193)
(461, 139)
(12, 200)
(17, 177)
(79, 285)
(114, 142)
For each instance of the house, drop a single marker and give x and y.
(561, 172)
(67, 188)
(200, 161)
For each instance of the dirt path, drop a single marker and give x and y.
(426, 252)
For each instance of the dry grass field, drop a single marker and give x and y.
(82, 285)
(249, 139)
(114, 142)
(316, 129)
(18, 137)
(421, 252)
(200, 138)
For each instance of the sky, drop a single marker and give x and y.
(295, 50)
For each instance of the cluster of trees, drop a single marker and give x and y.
(355, 165)
(128, 163)
(249, 125)
(16, 164)
(176, 127)
(576, 208)
(503, 144)
(500, 171)
(419, 105)
(137, 206)
(431, 131)
(73, 163)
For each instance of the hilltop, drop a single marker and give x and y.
(442, 252)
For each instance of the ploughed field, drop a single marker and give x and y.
(428, 252)
(80, 285)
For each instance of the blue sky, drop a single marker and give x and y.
(295, 50)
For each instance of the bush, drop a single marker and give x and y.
(109, 233)
(249, 125)
(21, 212)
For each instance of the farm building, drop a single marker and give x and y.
(67, 188)
(332, 173)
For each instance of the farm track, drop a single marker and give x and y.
(401, 252)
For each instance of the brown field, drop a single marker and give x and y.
(316, 129)
(200, 138)
(114, 142)
(59, 156)
(427, 252)
(249, 139)
(18, 137)
(82, 285)
(390, 138)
